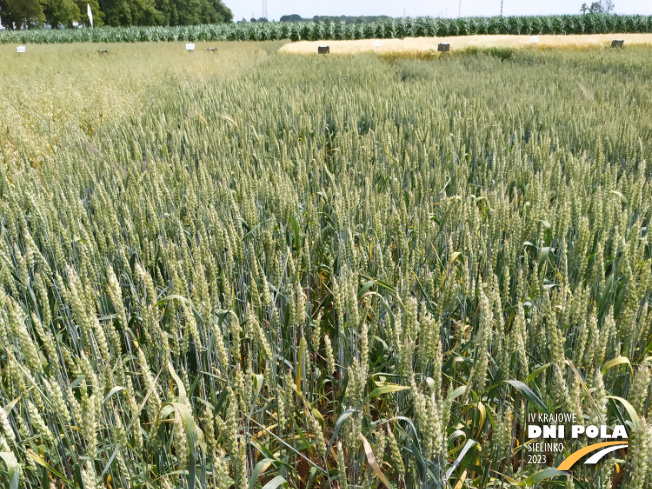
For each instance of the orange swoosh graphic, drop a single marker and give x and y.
(574, 457)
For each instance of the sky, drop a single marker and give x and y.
(414, 8)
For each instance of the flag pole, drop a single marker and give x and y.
(89, 13)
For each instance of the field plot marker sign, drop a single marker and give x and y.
(443, 47)
(323, 49)
(617, 43)
(190, 46)
(534, 39)
(20, 49)
(378, 43)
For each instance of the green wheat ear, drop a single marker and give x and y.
(254, 269)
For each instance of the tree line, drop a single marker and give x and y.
(29, 14)
(347, 19)
(601, 7)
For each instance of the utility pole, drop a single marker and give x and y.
(459, 13)
(501, 8)
(264, 9)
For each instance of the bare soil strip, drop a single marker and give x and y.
(426, 44)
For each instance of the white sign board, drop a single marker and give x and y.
(377, 44)
(20, 49)
(534, 39)
(190, 46)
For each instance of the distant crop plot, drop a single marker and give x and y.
(327, 29)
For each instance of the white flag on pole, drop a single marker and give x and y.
(90, 13)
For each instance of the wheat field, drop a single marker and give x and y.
(252, 269)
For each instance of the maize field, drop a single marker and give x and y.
(314, 31)
(259, 270)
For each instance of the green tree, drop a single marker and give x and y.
(222, 12)
(98, 14)
(61, 12)
(291, 18)
(192, 12)
(144, 12)
(596, 8)
(116, 12)
(164, 7)
(16, 14)
(6, 17)
(19, 14)
(188, 11)
(584, 8)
